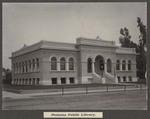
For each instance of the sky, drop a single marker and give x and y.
(28, 23)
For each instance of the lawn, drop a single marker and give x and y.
(122, 100)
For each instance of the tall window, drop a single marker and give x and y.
(124, 78)
(53, 63)
(33, 64)
(89, 65)
(129, 65)
(62, 64)
(26, 66)
(29, 65)
(130, 78)
(117, 65)
(119, 80)
(37, 81)
(22, 67)
(16, 67)
(71, 64)
(123, 65)
(37, 63)
(19, 67)
(109, 65)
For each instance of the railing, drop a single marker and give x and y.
(85, 89)
(96, 78)
(109, 78)
(107, 88)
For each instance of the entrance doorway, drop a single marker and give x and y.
(99, 65)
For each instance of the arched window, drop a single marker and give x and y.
(117, 65)
(26, 66)
(109, 65)
(33, 64)
(53, 63)
(22, 67)
(89, 65)
(129, 65)
(71, 64)
(62, 64)
(37, 63)
(14, 68)
(123, 65)
(29, 65)
(19, 67)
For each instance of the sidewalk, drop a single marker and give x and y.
(10, 95)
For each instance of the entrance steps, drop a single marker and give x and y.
(97, 78)
(107, 78)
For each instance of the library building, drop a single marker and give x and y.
(87, 61)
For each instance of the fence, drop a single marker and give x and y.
(85, 89)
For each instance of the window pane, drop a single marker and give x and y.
(129, 65)
(89, 65)
(117, 65)
(63, 80)
(54, 80)
(109, 66)
(71, 64)
(53, 63)
(62, 64)
(123, 65)
(71, 80)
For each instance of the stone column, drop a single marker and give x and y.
(28, 82)
(12, 82)
(31, 70)
(67, 66)
(58, 81)
(105, 66)
(121, 79)
(67, 81)
(126, 66)
(127, 79)
(31, 83)
(93, 67)
(58, 66)
(35, 68)
(121, 66)
(25, 68)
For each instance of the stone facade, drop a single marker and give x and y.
(87, 61)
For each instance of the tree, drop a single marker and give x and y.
(125, 41)
(8, 77)
(142, 36)
(142, 43)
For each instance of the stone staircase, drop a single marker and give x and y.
(97, 78)
(107, 78)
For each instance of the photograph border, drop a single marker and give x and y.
(107, 114)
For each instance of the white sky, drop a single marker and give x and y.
(28, 23)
